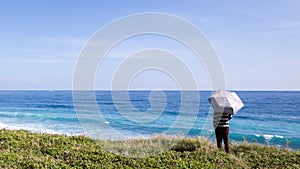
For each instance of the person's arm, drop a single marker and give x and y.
(229, 116)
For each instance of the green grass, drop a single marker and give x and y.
(22, 149)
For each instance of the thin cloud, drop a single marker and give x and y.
(36, 60)
(76, 42)
(286, 27)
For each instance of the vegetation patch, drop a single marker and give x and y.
(22, 149)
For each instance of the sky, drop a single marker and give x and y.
(257, 42)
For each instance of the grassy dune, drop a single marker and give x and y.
(22, 149)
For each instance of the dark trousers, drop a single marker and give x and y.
(222, 134)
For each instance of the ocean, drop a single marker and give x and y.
(269, 117)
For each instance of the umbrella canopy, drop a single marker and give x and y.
(225, 101)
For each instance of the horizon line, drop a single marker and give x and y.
(271, 90)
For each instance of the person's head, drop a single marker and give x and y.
(228, 110)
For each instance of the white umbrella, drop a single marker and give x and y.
(225, 101)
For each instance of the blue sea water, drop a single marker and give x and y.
(269, 117)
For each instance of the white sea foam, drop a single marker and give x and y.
(2, 126)
(42, 128)
(268, 136)
(278, 136)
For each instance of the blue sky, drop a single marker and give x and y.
(257, 41)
